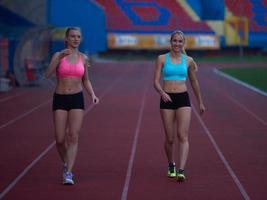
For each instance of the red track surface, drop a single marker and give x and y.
(121, 143)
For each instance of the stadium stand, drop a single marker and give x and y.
(254, 10)
(123, 24)
(149, 16)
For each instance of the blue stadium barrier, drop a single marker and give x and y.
(87, 15)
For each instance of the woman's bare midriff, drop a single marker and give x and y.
(69, 85)
(174, 86)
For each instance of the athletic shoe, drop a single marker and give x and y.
(68, 178)
(171, 170)
(65, 169)
(180, 175)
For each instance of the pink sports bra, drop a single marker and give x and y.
(67, 69)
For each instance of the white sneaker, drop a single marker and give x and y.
(68, 178)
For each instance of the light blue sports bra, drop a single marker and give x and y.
(174, 72)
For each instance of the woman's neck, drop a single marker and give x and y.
(73, 49)
(175, 54)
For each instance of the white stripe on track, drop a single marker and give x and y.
(216, 71)
(223, 159)
(132, 155)
(13, 96)
(24, 114)
(247, 110)
(25, 171)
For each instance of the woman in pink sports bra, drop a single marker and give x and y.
(71, 67)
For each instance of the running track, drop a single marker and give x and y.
(121, 143)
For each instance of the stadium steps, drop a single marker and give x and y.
(249, 9)
(118, 20)
(215, 26)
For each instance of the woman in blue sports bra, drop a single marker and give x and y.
(174, 67)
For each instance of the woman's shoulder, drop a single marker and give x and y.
(191, 63)
(189, 59)
(56, 54)
(83, 56)
(162, 57)
(85, 59)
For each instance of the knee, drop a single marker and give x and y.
(182, 138)
(169, 141)
(72, 137)
(60, 143)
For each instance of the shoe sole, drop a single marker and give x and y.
(171, 176)
(68, 183)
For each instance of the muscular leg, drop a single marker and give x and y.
(168, 119)
(60, 123)
(75, 119)
(183, 122)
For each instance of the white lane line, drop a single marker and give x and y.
(25, 171)
(216, 71)
(34, 162)
(223, 159)
(13, 96)
(237, 102)
(24, 114)
(247, 110)
(132, 155)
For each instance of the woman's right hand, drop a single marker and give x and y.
(64, 53)
(165, 97)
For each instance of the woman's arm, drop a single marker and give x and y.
(192, 68)
(86, 81)
(157, 76)
(52, 65)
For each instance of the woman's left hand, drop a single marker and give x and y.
(202, 108)
(95, 99)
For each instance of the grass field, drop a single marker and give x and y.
(255, 76)
(232, 58)
(152, 55)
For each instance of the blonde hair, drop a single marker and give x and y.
(182, 35)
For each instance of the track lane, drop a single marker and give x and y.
(149, 179)
(240, 136)
(108, 101)
(31, 135)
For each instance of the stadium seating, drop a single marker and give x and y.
(149, 16)
(254, 10)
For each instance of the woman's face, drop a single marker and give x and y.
(177, 42)
(73, 39)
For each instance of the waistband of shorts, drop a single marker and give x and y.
(177, 93)
(72, 94)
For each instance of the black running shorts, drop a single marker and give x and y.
(68, 101)
(178, 100)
